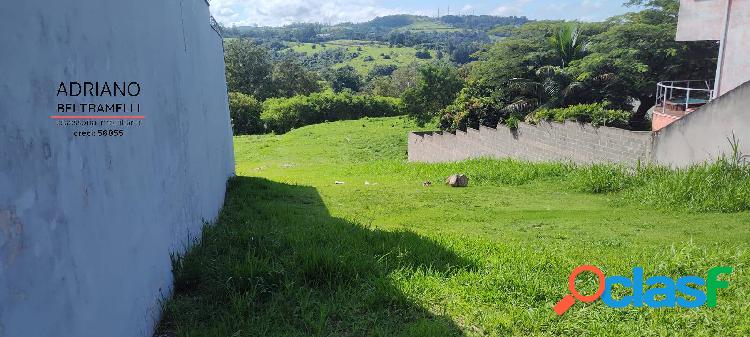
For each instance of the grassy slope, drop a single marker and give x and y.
(400, 56)
(293, 253)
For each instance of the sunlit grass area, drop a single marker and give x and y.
(327, 231)
(370, 53)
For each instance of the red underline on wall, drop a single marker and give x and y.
(97, 117)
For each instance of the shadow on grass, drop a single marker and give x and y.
(278, 264)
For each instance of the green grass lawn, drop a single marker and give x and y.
(295, 254)
(400, 56)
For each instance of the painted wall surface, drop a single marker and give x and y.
(87, 223)
(569, 141)
(702, 135)
(704, 20)
(701, 20)
(736, 70)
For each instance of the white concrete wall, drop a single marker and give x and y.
(702, 135)
(87, 224)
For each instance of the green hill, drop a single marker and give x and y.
(365, 54)
(376, 29)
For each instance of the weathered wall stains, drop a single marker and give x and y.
(87, 224)
(11, 242)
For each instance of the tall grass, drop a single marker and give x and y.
(723, 186)
(717, 187)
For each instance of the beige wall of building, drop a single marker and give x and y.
(705, 20)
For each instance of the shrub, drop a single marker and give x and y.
(368, 59)
(597, 114)
(471, 111)
(381, 70)
(344, 78)
(283, 114)
(245, 111)
(423, 54)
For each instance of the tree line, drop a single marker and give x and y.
(604, 72)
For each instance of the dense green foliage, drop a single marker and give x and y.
(423, 54)
(566, 41)
(381, 70)
(538, 65)
(251, 70)
(547, 65)
(245, 113)
(640, 49)
(248, 68)
(395, 84)
(294, 254)
(283, 114)
(344, 78)
(435, 88)
(598, 114)
(290, 78)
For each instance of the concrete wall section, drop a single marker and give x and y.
(702, 135)
(736, 69)
(701, 20)
(546, 141)
(704, 20)
(87, 224)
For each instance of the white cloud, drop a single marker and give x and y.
(504, 10)
(467, 9)
(592, 4)
(282, 12)
(514, 8)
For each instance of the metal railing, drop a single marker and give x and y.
(683, 95)
(214, 25)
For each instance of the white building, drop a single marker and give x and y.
(726, 21)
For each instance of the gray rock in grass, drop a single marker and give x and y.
(458, 180)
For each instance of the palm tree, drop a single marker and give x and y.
(548, 91)
(552, 89)
(568, 43)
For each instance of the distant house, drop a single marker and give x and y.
(726, 21)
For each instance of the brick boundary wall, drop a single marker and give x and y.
(546, 141)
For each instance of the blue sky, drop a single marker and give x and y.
(281, 12)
